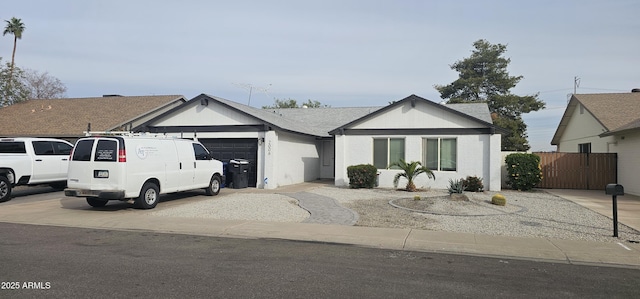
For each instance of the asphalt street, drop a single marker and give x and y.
(57, 262)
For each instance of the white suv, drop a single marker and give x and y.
(104, 168)
(32, 161)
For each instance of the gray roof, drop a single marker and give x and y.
(323, 119)
(320, 121)
(477, 110)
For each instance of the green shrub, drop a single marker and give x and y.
(473, 184)
(524, 171)
(416, 197)
(362, 176)
(456, 186)
(498, 199)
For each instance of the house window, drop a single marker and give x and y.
(584, 148)
(440, 153)
(387, 151)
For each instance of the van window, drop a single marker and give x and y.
(82, 151)
(16, 147)
(201, 152)
(106, 151)
(43, 148)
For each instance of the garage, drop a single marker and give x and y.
(225, 149)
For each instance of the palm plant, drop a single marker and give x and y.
(410, 172)
(15, 27)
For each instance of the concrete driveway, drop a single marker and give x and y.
(598, 201)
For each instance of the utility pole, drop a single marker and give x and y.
(576, 84)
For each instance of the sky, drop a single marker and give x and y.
(341, 53)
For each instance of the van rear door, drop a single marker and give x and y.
(95, 164)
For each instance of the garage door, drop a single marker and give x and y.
(225, 149)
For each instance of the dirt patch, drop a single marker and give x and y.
(445, 205)
(378, 213)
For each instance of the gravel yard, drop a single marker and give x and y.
(527, 214)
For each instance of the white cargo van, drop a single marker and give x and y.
(139, 167)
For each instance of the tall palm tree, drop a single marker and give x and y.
(15, 27)
(411, 171)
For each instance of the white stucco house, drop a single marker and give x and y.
(604, 123)
(289, 146)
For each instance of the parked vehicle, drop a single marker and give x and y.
(140, 167)
(32, 161)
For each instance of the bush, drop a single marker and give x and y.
(473, 184)
(362, 176)
(456, 186)
(498, 199)
(524, 171)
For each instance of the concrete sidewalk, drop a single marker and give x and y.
(72, 212)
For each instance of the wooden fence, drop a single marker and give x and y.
(592, 171)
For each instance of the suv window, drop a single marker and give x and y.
(106, 151)
(201, 152)
(13, 147)
(61, 148)
(43, 148)
(82, 151)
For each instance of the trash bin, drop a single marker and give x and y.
(238, 168)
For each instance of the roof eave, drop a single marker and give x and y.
(413, 98)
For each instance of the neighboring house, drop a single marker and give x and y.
(71, 118)
(604, 123)
(289, 146)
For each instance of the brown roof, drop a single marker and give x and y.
(70, 117)
(614, 111)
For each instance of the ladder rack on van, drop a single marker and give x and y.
(125, 133)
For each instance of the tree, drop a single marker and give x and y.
(11, 93)
(291, 103)
(410, 172)
(43, 85)
(483, 77)
(15, 27)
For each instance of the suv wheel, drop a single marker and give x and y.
(5, 189)
(149, 196)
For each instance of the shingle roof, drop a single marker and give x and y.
(70, 117)
(614, 111)
(476, 111)
(320, 121)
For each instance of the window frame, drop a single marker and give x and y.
(200, 152)
(439, 167)
(388, 153)
(584, 148)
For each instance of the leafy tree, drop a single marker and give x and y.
(410, 172)
(14, 27)
(483, 77)
(11, 93)
(43, 85)
(291, 103)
